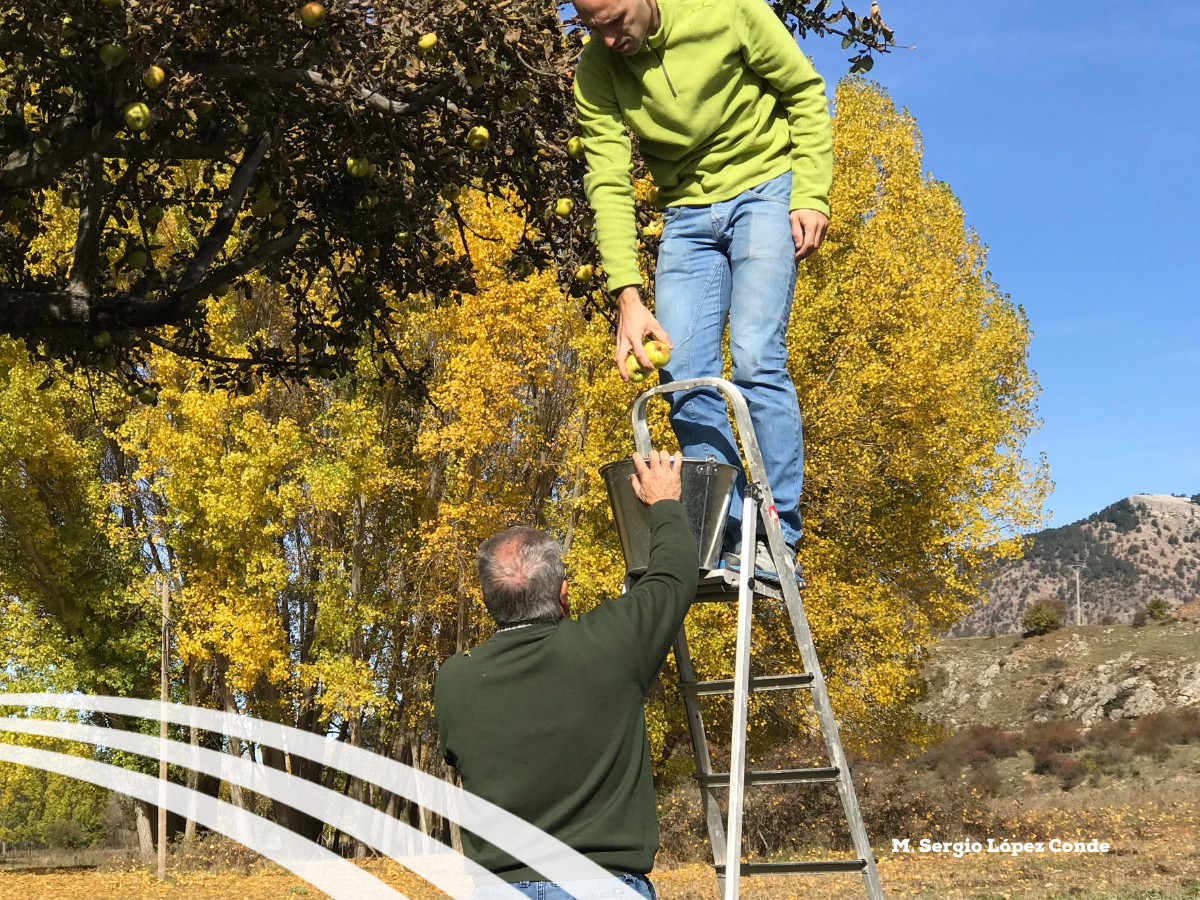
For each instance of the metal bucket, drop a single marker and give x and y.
(707, 489)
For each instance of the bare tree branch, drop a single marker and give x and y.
(24, 169)
(183, 302)
(180, 302)
(87, 234)
(313, 79)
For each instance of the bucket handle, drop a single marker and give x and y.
(741, 415)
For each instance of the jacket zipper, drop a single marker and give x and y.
(666, 74)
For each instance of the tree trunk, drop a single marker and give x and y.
(356, 785)
(235, 743)
(145, 835)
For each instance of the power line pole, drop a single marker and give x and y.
(164, 695)
(1078, 607)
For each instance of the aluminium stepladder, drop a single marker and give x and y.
(725, 838)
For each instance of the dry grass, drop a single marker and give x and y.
(1156, 854)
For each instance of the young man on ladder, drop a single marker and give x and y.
(734, 125)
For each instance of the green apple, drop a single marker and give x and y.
(478, 137)
(634, 369)
(148, 396)
(152, 216)
(263, 192)
(575, 147)
(428, 41)
(658, 353)
(137, 259)
(41, 146)
(279, 220)
(102, 339)
(584, 273)
(358, 166)
(153, 77)
(368, 202)
(131, 389)
(260, 209)
(112, 54)
(564, 207)
(312, 15)
(450, 192)
(137, 116)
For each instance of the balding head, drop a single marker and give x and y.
(620, 24)
(521, 574)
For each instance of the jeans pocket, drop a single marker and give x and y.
(776, 190)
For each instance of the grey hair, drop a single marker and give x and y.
(520, 574)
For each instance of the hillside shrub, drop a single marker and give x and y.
(1041, 618)
(1156, 732)
(1157, 611)
(1070, 773)
(1045, 760)
(975, 746)
(1056, 735)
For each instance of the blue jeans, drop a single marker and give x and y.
(735, 260)
(587, 890)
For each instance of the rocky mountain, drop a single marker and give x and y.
(1136, 550)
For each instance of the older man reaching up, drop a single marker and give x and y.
(546, 718)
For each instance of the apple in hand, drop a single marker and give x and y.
(658, 353)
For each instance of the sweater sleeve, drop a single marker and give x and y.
(646, 619)
(608, 182)
(773, 54)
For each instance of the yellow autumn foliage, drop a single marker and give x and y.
(320, 539)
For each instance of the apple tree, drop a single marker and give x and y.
(306, 144)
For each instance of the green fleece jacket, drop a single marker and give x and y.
(548, 721)
(721, 98)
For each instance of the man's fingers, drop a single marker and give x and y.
(639, 464)
(660, 333)
(643, 360)
(797, 235)
(619, 357)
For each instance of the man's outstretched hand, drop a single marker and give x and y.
(660, 479)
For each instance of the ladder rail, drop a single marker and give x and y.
(695, 718)
(741, 704)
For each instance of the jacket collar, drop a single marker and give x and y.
(659, 37)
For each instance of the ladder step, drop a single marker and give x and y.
(780, 776)
(816, 867)
(765, 683)
(721, 586)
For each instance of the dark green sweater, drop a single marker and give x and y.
(548, 721)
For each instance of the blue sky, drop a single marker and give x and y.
(1069, 132)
